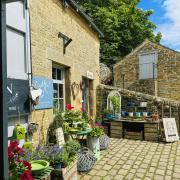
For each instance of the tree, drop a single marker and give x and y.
(124, 25)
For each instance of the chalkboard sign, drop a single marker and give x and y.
(170, 129)
(18, 97)
(46, 85)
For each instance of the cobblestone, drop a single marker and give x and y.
(130, 159)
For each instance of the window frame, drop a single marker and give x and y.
(59, 82)
(155, 74)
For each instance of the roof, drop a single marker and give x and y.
(140, 46)
(77, 8)
(105, 73)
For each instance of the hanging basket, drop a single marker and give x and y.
(86, 159)
(104, 142)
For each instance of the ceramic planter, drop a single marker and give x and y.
(130, 114)
(145, 114)
(143, 104)
(138, 114)
(94, 146)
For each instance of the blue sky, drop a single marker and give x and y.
(167, 19)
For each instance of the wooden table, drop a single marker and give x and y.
(135, 129)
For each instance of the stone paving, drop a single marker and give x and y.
(131, 159)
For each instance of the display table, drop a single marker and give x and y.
(135, 129)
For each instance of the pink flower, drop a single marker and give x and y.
(69, 107)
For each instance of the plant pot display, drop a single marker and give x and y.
(74, 120)
(93, 140)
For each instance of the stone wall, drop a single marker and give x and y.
(167, 83)
(165, 107)
(48, 18)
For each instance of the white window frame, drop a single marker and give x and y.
(23, 27)
(62, 82)
(152, 65)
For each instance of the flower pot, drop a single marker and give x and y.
(138, 114)
(145, 114)
(94, 146)
(57, 166)
(109, 116)
(130, 114)
(118, 116)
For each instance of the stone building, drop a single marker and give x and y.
(151, 69)
(64, 60)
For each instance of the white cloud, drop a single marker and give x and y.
(170, 28)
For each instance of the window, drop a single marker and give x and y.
(18, 43)
(148, 66)
(59, 89)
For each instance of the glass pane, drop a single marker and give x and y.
(55, 106)
(16, 54)
(59, 74)
(55, 89)
(54, 73)
(60, 90)
(61, 104)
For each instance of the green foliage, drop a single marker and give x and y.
(107, 111)
(57, 122)
(115, 102)
(85, 117)
(124, 25)
(69, 152)
(96, 131)
(73, 116)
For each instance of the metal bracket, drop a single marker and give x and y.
(66, 41)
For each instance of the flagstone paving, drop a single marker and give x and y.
(130, 159)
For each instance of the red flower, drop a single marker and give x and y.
(19, 161)
(19, 151)
(69, 107)
(10, 154)
(27, 164)
(26, 175)
(13, 144)
(83, 110)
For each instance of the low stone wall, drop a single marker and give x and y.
(165, 107)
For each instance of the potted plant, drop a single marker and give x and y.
(19, 168)
(93, 140)
(108, 113)
(115, 103)
(51, 153)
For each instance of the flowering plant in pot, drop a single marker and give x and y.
(74, 120)
(18, 167)
(51, 153)
(93, 140)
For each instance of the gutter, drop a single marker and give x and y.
(77, 8)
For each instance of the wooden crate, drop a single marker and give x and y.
(68, 173)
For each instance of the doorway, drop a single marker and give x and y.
(87, 95)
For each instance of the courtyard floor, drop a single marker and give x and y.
(134, 159)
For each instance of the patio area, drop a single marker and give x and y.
(134, 159)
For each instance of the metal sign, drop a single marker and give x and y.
(170, 129)
(18, 97)
(89, 75)
(46, 85)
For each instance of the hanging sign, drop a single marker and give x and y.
(18, 97)
(170, 129)
(46, 97)
(89, 75)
